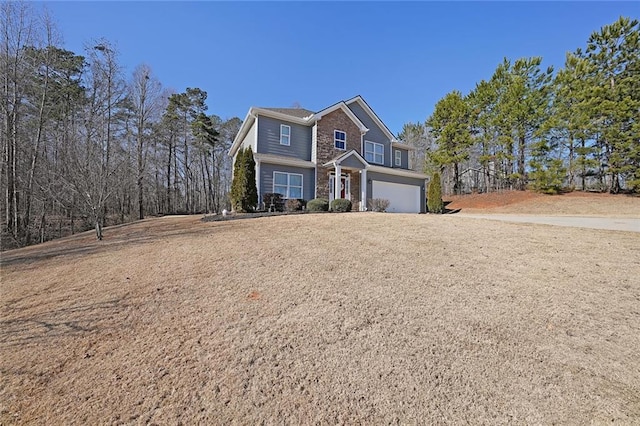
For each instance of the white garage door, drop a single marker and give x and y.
(402, 198)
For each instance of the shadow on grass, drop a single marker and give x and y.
(63, 322)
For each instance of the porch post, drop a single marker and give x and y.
(336, 182)
(258, 183)
(363, 190)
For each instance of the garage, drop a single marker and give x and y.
(402, 198)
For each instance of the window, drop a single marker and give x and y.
(289, 185)
(340, 139)
(374, 152)
(285, 135)
(398, 158)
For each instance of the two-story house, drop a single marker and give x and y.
(343, 151)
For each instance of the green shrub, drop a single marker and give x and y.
(434, 195)
(318, 205)
(378, 204)
(341, 205)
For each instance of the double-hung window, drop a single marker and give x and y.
(289, 185)
(398, 157)
(285, 135)
(340, 139)
(374, 152)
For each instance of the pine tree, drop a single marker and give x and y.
(450, 123)
(434, 195)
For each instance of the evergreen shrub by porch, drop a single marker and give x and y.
(341, 205)
(318, 205)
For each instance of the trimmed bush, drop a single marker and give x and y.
(378, 204)
(434, 195)
(318, 205)
(341, 205)
(292, 204)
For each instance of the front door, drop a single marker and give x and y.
(344, 187)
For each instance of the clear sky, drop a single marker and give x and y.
(401, 57)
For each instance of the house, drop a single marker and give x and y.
(343, 151)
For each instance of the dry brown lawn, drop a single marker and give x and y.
(358, 318)
(570, 204)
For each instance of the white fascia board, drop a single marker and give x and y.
(280, 116)
(283, 161)
(396, 172)
(403, 146)
(373, 116)
(244, 128)
(341, 105)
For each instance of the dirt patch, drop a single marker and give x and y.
(526, 202)
(336, 318)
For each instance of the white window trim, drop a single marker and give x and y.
(373, 152)
(398, 158)
(335, 140)
(283, 126)
(289, 184)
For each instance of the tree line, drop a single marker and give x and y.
(528, 127)
(84, 145)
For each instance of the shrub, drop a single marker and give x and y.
(341, 205)
(434, 195)
(244, 194)
(292, 204)
(318, 205)
(274, 199)
(378, 204)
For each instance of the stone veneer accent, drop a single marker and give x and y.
(326, 151)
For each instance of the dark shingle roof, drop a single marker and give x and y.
(295, 112)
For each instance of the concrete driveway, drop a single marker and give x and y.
(609, 223)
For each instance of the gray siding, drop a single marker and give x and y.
(371, 176)
(269, 139)
(405, 158)
(375, 133)
(352, 162)
(266, 179)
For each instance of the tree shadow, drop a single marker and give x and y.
(63, 322)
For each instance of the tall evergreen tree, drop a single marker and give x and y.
(450, 124)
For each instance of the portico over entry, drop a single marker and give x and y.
(347, 178)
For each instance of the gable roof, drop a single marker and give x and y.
(351, 153)
(373, 115)
(342, 106)
(307, 118)
(294, 112)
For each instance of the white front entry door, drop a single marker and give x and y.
(345, 187)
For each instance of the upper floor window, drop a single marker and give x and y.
(398, 158)
(340, 139)
(285, 135)
(374, 152)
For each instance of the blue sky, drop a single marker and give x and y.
(401, 57)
